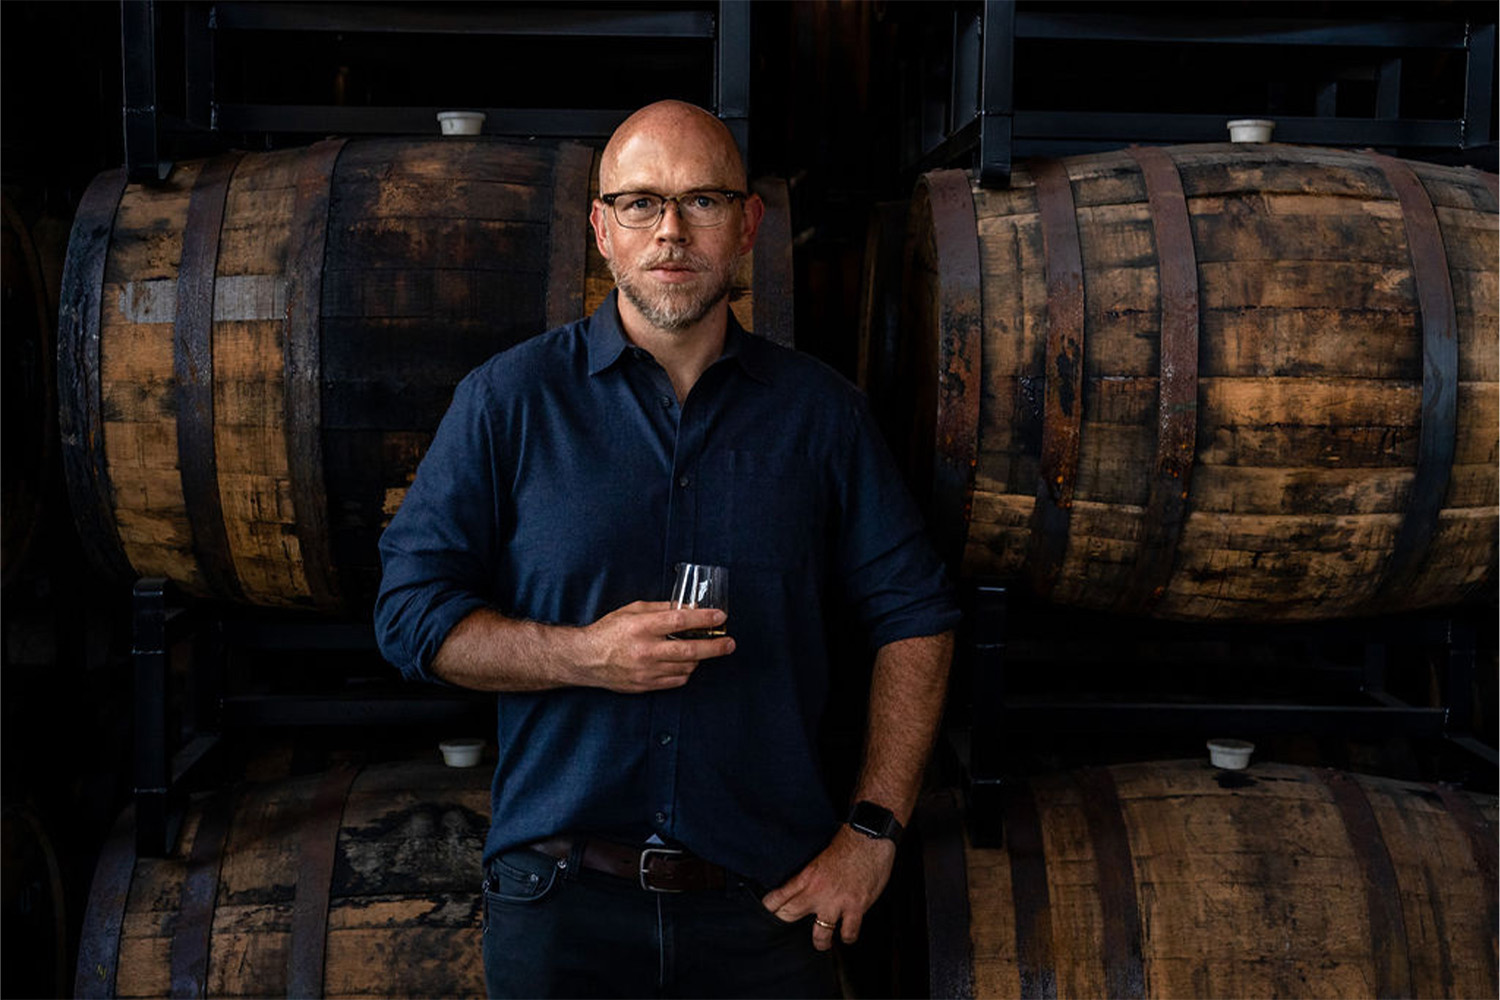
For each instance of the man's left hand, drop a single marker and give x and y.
(836, 887)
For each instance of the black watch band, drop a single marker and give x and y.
(875, 822)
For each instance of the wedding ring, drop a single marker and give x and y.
(829, 924)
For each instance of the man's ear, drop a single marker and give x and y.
(755, 210)
(596, 219)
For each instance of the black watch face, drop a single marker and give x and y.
(871, 820)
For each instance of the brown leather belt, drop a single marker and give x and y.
(659, 869)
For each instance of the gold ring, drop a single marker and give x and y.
(829, 924)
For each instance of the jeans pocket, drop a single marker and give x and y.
(520, 877)
(750, 897)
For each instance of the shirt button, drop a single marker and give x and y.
(683, 481)
(666, 402)
(659, 818)
(664, 738)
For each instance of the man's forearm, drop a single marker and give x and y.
(906, 705)
(906, 702)
(627, 650)
(487, 651)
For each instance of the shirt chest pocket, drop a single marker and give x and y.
(777, 510)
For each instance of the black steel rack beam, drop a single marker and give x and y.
(1068, 26)
(1067, 133)
(466, 19)
(1034, 716)
(248, 712)
(1365, 710)
(138, 90)
(162, 764)
(985, 124)
(323, 119)
(184, 716)
(153, 139)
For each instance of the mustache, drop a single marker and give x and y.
(677, 256)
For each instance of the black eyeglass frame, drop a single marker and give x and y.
(676, 199)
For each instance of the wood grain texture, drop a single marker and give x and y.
(437, 253)
(1310, 390)
(137, 386)
(249, 380)
(1246, 884)
(402, 917)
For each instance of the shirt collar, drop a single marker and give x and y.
(606, 339)
(607, 343)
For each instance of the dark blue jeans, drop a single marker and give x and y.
(554, 930)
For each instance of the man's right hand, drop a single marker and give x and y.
(628, 650)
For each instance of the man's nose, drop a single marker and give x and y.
(670, 226)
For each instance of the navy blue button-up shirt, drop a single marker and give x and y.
(565, 481)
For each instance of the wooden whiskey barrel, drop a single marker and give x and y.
(353, 882)
(254, 354)
(1176, 879)
(1211, 382)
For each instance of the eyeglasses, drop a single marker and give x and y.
(644, 209)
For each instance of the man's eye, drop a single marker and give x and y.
(703, 200)
(641, 203)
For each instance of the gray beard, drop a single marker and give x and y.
(670, 309)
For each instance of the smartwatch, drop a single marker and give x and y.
(875, 822)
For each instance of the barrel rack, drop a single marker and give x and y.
(184, 718)
(178, 732)
(1368, 709)
(177, 104)
(969, 100)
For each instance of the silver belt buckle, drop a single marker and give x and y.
(645, 860)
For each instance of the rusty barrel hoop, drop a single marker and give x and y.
(1424, 239)
(947, 209)
(304, 365)
(194, 369)
(1177, 401)
(1062, 375)
(80, 425)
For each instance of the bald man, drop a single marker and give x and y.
(660, 825)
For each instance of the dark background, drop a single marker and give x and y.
(849, 101)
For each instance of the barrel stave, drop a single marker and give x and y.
(1451, 953)
(137, 401)
(396, 947)
(249, 331)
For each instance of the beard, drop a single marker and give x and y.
(673, 307)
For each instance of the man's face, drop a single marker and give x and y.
(674, 273)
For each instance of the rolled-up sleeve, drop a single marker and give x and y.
(437, 555)
(893, 578)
